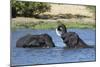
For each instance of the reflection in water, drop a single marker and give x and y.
(30, 56)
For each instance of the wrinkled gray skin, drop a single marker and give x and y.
(71, 39)
(43, 40)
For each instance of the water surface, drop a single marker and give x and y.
(31, 56)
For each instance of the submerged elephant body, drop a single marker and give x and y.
(43, 40)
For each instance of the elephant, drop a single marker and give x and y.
(29, 41)
(71, 39)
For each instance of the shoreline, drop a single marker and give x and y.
(44, 26)
(32, 23)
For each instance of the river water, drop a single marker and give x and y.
(34, 56)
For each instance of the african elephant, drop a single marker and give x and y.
(71, 39)
(43, 40)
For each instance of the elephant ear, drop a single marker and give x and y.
(73, 40)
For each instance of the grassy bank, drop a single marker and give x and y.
(51, 25)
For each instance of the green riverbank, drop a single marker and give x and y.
(51, 25)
